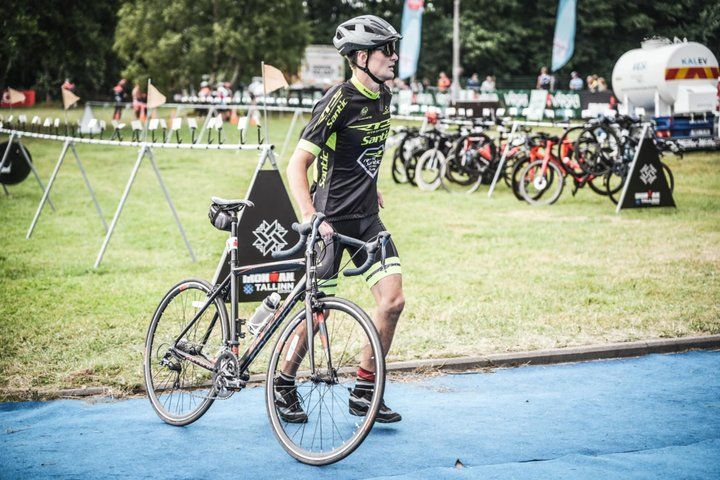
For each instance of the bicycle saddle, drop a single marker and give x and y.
(235, 204)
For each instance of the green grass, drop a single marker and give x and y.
(480, 275)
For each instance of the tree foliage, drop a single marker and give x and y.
(514, 37)
(45, 41)
(177, 41)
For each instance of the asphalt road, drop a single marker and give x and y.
(643, 418)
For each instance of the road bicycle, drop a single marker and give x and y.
(540, 179)
(192, 349)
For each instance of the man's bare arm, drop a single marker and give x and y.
(300, 188)
(297, 178)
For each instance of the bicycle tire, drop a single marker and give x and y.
(190, 382)
(596, 156)
(518, 166)
(399, 175)
(427, 170)
(290, 346)
(541, 185)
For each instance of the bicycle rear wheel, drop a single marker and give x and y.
(330, 432)
(178, 375)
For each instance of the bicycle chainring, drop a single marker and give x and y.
(225, 375)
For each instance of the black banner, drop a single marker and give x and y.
(262, 230)
(647, 185)
(16, 168)
(587, 97)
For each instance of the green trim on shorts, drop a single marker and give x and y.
(308, 147)
(377, 272)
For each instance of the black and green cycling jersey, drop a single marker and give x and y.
(347, 134)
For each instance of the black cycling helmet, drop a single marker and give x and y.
(365, 32)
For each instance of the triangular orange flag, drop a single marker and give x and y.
(69, 98)
(155, 98)
(234, 117)
(16, 96)
(273, 78)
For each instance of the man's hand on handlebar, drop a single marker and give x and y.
(325, 230)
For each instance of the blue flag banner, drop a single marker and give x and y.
(411, 32)
(564, 40)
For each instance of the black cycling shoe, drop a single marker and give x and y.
(360, 403)
(288, 404)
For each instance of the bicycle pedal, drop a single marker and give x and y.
(235, 384)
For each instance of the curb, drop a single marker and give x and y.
(499, 360)
(561, 355)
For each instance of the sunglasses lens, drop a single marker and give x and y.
(388, 49)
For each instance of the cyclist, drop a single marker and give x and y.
(346, 138)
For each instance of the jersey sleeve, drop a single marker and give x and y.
(327, 118)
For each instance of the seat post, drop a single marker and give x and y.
(233, 246)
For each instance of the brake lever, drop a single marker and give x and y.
(383, 254)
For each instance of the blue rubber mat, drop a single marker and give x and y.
(644, 418)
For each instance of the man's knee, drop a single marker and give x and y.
(392, 305)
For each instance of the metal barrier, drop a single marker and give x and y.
(145, 149)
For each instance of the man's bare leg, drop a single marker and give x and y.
(390, 302)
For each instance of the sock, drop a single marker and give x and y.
(365, 375)
(284, 380)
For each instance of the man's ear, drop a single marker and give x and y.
(362, 58)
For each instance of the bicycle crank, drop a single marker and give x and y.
(225, 376)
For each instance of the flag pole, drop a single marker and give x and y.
(262, 65)
(147, 111)
(64, 108)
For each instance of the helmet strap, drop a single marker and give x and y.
(367, 70)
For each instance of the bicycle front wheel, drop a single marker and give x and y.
(179, 372)
(541, 185)
(330, 428)
(427, 171)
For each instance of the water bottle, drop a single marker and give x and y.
(263, 313)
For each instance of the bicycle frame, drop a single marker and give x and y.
(306, 284)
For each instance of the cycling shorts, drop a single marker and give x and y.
(329, 254)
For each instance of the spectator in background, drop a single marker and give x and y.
(222, 91)
(68, 85)
(138, 102)
(544, 80)
(473, 81)
(119, 96)
(576, 82)
(416, 86)
(592, 83)
(443, 82)
(601, 84)
(204, 90)
(488, 85)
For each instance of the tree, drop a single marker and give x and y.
(175, 42)
(46, 41)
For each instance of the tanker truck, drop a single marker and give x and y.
(677, 81)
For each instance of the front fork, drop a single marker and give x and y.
(314, 313)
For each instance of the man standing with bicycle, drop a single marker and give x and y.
(346, 138)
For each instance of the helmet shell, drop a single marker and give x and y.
(365, 32)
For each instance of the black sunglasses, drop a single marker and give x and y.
(388, 49)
